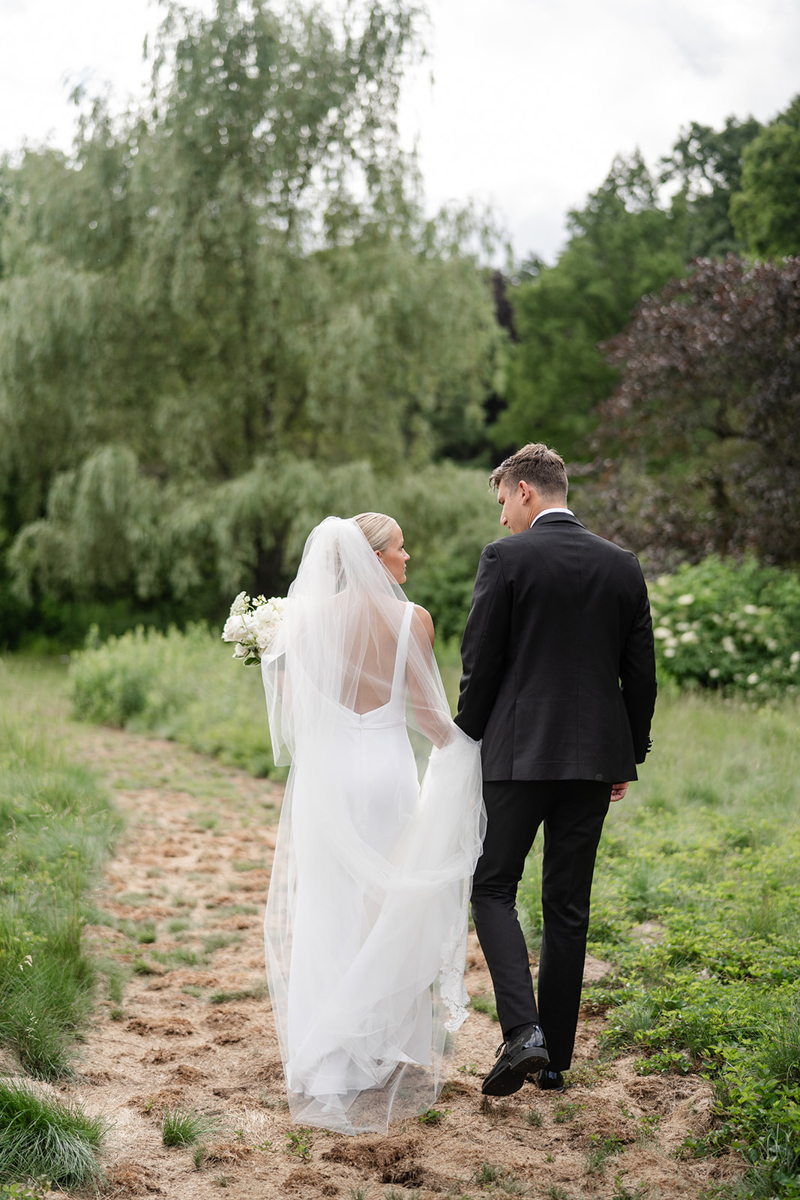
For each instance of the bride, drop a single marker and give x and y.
(366, 920)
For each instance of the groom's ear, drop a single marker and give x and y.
(528, 494)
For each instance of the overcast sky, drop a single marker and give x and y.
(521, 104)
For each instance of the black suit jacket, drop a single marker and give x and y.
(559, 667)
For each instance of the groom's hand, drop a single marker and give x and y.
(618, 790)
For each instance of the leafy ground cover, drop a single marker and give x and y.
(56, 827)
(697, 905)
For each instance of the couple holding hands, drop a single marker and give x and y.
(396, 815)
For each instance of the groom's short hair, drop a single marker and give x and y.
(537, 465)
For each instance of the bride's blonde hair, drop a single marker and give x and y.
(377, 528)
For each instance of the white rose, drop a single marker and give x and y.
(235, 629)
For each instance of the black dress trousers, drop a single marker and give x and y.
(572, 812)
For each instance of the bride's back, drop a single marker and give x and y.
(372, 635)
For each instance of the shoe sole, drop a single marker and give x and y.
(516, 1074)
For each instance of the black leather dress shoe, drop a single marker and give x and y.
(550, 1081)
(518, 1058)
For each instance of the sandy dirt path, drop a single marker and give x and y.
(194, 1029)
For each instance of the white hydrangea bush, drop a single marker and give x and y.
(730, 626)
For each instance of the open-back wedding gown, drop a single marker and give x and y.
(366, 920)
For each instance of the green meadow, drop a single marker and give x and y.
(696, 905)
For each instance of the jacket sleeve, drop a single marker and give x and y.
(637, 676)
(484, 646)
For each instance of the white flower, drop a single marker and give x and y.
(687, 598)
(729, 646)
(235, 628)
(751, 610)
(662, 632)
(669, 652)
(771, 644)
(240, 605)
(752, 679)
(714, 673)
(689, 636)
(794, 657)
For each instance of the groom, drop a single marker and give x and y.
(559, 682)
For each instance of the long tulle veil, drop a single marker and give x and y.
(365, 938)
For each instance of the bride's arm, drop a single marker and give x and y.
(426, 701)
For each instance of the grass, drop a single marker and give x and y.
(696, 905)
(42, 1137)
(186, 1127)
(181, 686)
(484, 1004)
(56, 829)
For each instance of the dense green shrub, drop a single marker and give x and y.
(731, 626)
(181, 686)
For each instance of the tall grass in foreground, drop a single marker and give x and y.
(55, 831)
(41, 1137)
(697, 904)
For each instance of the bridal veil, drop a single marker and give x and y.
(366, 921)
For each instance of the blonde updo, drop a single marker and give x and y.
(377, 528)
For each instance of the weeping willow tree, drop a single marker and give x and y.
(220, 298)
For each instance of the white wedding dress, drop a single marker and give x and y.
(366, 920)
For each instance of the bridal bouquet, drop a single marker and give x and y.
(253, 624)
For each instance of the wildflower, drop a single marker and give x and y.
(687, 598)
(752, 679)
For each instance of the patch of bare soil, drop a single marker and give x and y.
(195, 1030)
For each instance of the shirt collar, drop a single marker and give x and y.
(545, 511)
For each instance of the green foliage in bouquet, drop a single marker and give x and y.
(730, 626)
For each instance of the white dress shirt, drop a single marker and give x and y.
(549, 510)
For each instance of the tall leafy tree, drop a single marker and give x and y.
(237, 272)
(766, 212)
(704, 427)
(708, 165)
(622, 245)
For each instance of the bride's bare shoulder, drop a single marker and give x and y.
(423, 618)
